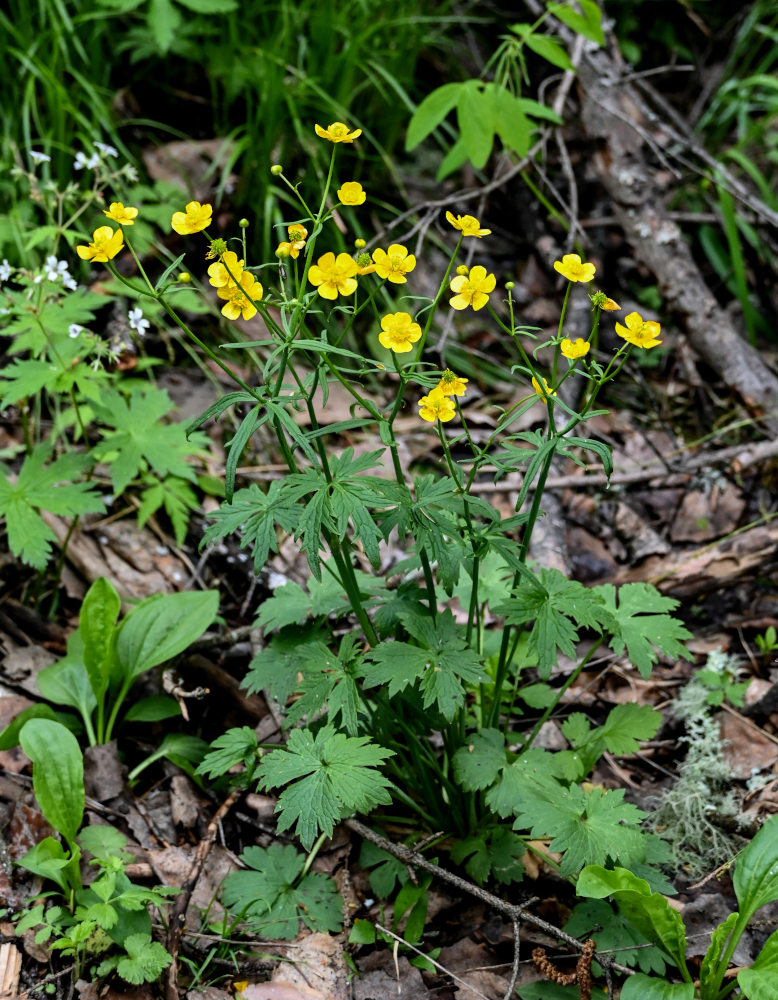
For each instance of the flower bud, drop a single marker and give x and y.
(463, 269)
(276, 169)
(509, 286)
(244, 223)
(184, 278)
(359, 244)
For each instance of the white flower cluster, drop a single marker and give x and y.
(84, 162)
(56, 269)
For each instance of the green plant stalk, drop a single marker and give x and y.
(560, 694)
(729, 951)
(503, 662)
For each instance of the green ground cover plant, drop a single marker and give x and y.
(107, 919)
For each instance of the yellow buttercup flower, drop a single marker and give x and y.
(437, 406)
(472, 289)
(219, 276)
(334, 276)
(104, 246)
(571, 267)
(543, 391)
(241, 297)
(399, 333)
(196, 218)
(124, 216)
(468, 225)
(393, 264)
(351, 193)
(297, 232)
(290, 249)
(610, 306)
(574, 349)
(640, 332)
(451, 384)
(337, 132)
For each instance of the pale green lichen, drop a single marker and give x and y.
(689, 814)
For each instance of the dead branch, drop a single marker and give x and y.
(178, 911)
(516, 913)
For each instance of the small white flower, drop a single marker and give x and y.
(106, 150)
(69, 282)
(5, 270)
(56, 269)
(88, 163)
(37, 157)
(37, 279)
(130, 172)
(74, 330)
(96, 365)
(137, 322)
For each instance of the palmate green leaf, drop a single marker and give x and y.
(346, 497)
(139, 437)
(588, 826)
(442, 665)
(274, 899)
(596, 917)
(291, 605)
(275, 668)
(477, 765)
(236, 746)
(329, 776)
(144, 962)
(328, 679)
(558, 607)
(178, 499)
(494, 851)
(256, 515)
(42, 486)
(26, 378)
(640, 623)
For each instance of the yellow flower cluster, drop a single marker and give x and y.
(292, 247)
(107, 242)
(438, 404)
(238, 287)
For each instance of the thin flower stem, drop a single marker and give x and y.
(559, 695)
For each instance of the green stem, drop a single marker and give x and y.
(559, 695)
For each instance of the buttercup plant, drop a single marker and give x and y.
(414, 705)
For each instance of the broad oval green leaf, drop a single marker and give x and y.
(549, 50)
(57, 774)
(649, 912)
(160, 628)
(431, 112)
(756, 870)
(760, 982)
(67, 683)
(477, 118)
(97, 622)
(642, 987)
